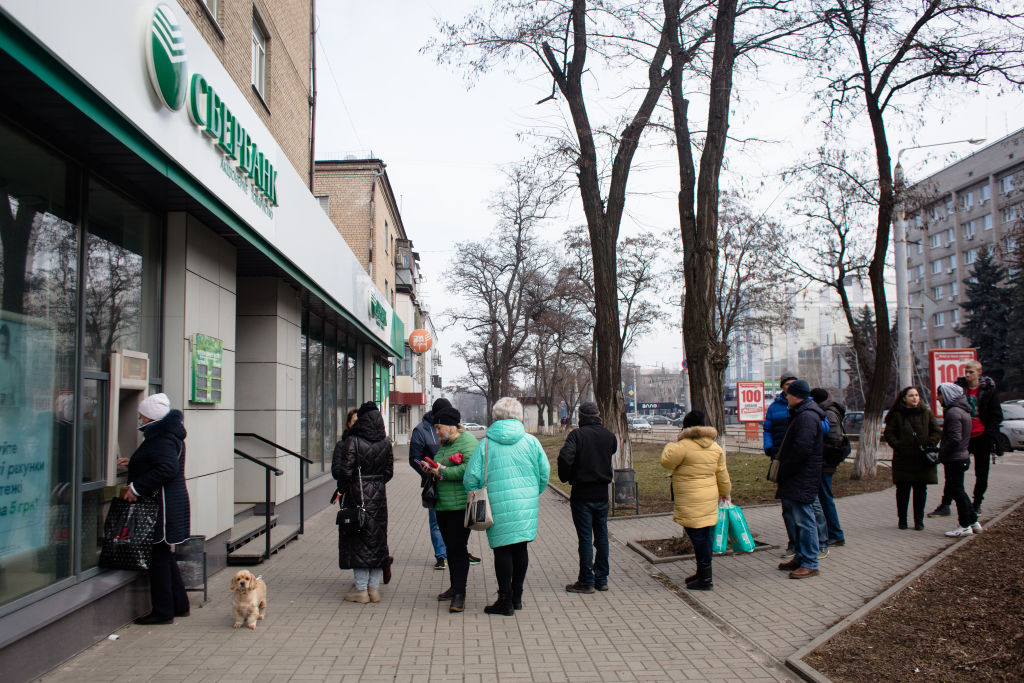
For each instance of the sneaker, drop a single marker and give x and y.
(579, 588)
(941, 511)
(473, 559)
(976, 527)
(823, 553)
(441, 564)
(961, 531)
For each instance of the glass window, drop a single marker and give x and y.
(330, 391)
(212, 6)
(987, 221)
(1006, 183)
(952, 262)
(315, 387)
(986, 192)
(1010, 214)
(969, 230)
(968, 200)
(259, 58)
(122, 285)
(937, 292)
(39, 247)
(936, 241)
(938, 319)
(936, 266)
(954, 288)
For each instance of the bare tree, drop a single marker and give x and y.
(878, 56)
(502, 283)
(560, 37)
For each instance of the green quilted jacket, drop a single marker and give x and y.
(451, 495)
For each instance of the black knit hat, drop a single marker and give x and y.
(785, 378)
(799, 389)
(447, 416)
(819, 395)
(589, 409)
(440, 403)
(367, 407)
(694, 418)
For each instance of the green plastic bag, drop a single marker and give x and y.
(721, 532)
(739, 532)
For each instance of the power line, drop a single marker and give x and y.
(348, 114)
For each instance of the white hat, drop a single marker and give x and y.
(155, 407)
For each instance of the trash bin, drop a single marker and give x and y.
(624, 489)
(191, 558)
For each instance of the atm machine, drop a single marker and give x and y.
(129, 384)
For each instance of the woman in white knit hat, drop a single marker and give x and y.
(157, 468)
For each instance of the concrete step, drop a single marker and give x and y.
(243, 510)
(252, 552)
(247, 529)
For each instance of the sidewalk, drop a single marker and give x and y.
(639, 630)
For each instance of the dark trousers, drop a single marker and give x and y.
(701, 540)
(166, 590)
(591, 520)
(954, 491)
(510, 564)
(981, 448)
(903, 490)
(456, 536)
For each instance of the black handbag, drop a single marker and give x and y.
(128, 534)
(428, 496)
(929, 454)
(354, 519)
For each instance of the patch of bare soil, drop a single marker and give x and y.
(680, 545)
(963, 620)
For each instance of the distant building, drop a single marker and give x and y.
(975, 203)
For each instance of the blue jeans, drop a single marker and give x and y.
(368, 577)
(805, 527)
(701, 540)
(834, 533)
(819, 521)
(435, 536)
(591, 520)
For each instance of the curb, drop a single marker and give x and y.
(808, 673)
(655, 559)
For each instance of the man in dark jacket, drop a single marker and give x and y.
(954, 456)
(585, 462)
(836, 448)
(986, 416)
(800, 477)
(424, 443)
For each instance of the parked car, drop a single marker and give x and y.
(853, 422)
(640, 425)
(1011, 431)
(658, 420)
(473, 427)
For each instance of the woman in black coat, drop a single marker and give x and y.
(909, 415)
(157, 468)
(362, 465)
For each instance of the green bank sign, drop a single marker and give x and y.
(167, 63)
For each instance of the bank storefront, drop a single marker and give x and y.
(153, 237)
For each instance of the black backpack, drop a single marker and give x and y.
(833, 454)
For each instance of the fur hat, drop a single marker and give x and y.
(155, 407)
(449, 417)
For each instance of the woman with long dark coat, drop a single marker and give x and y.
(909, 426)
(157, 468)
(362, 465)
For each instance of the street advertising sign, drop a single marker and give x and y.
(750, 401)
(946, 365)
(207, 363)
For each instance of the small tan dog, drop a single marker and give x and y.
(250, 600)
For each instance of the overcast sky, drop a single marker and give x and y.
(445, 145)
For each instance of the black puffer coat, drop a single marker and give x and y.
(366, 447)
(585, 460)
(157, 467)
(800, 454)
(908, 467)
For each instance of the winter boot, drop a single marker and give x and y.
(692, 578)
(517, 598)
(458, 603)
(503, 605)
(703, 582)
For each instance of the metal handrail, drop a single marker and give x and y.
(277, 473)
(302, 475)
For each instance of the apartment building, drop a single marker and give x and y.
(973, 204)
(158, 234)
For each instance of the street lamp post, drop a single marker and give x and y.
(899, 235)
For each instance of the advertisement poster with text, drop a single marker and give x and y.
(946, 365)
(750, 401)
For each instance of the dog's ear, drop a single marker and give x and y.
(234, 583)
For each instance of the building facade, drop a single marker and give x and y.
(159, 234)
(974, 204)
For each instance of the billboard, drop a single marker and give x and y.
(750, 401)
(945, 365)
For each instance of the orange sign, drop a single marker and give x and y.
(420, 341)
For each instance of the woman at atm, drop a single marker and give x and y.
(157, 468)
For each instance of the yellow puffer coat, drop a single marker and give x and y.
(699, 476)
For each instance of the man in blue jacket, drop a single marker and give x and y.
(424, 443)
(799, 478)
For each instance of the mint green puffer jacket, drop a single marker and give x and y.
(451, 495)
(517, 472)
